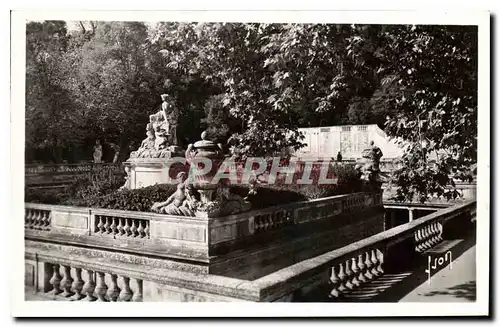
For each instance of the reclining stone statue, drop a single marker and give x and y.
(182, 202)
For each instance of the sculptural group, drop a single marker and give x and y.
(200, 196)
(369, 166)
(161, 132)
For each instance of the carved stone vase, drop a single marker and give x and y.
(196, 154)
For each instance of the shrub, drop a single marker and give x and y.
(136, 200)
(47, 196)
(101, 181)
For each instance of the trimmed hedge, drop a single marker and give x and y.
(104, 193)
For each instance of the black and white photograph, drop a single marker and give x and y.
(338, 161)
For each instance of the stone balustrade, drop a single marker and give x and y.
(61, 175)
(64, 279)
(37, 218)
(341, 271)
(116, 226)
(72, 272)
(183, 235)
(68, 168)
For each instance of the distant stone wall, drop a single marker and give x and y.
(350, 140)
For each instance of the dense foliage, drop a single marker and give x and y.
(253, 85)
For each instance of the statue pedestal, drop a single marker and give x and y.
(145, 172)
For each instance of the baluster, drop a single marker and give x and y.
(380, 257)
(113, 290)
(426, 233)
(256, 223)
(362, 267)
(89, 286)
(107, 225)
(146, 230)
(136, 290)
(77, 285)
(126, 229)
(436, 232)
(113, 226)
(349, 275)
(100, 226)
(278, 218)
(126, 292)
(66, 281)
(355, 272)
(55, 281)
(418, 241)
(369, 265)
(46, 220)
(40, 222)
(37, 220)
(440, 231)
(43, 217)
(121, 231)
(342, 276)
(140, 229)
(335, 281)
(27, 217)
(133, 229)
(101, 288)
(265, 221)
(432, 232)
(374, 260)
(32, 219)
(429, 235)
(261, 222)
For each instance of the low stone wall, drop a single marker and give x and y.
(61, 175)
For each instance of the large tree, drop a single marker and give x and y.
(254, 85)
(428, 80)
(51, 122)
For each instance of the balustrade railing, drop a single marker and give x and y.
(134, 225)
(359, 269)
(336, 274)
(76, 283)
(35, 218)
(272, 220)
(69, 168)
(356, 264)
(116, 226)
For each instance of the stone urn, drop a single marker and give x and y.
(196, 154)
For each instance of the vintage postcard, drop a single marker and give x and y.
(335, 159)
